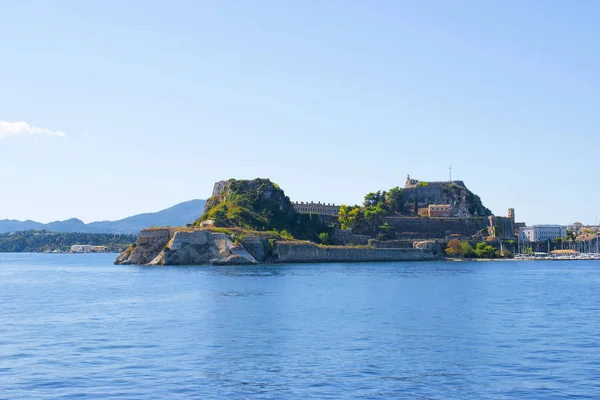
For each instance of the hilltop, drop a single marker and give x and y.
(258, 205)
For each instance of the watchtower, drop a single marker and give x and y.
(511, 214)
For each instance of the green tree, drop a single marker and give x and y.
(351, 217)
(395, 200)
(371, 199)
(466, 249)
(484, 250)
(324, 238)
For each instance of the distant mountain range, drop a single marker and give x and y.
(178, 215)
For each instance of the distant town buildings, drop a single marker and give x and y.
(539, 233)
(316, 208)
(87, 248)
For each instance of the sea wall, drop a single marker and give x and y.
(391, 244)
(305, 252)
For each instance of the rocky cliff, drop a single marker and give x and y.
(185, 247)
(463, 202)
(205, 247)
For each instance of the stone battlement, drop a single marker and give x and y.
(316, 208)
(413, 183)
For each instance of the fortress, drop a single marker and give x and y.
(413, 183)
(316, 208)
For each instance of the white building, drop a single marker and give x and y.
(540, 233)
(81, 248)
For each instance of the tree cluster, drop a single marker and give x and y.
(40, 241)
(369, 218)
(457, 248)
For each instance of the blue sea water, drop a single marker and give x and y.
(78, 327)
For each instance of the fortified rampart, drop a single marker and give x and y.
(294, 252)
(415, 227)
(413, 183)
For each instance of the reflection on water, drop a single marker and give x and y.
(78, 326)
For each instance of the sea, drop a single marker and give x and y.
(75, 326)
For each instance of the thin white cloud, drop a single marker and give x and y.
(20, 128)
(88, 136)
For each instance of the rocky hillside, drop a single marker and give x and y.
(463, 202)
(252, 221)
(258, 205)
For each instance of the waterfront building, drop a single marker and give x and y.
(316, 208)
(539, 233)
(81, 248)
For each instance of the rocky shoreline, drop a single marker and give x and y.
(202, 246)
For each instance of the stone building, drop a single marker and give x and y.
(316, 208)
(439, 210)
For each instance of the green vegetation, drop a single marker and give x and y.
(40, 241)
(457, 248)
(369, 219)
(260, 205)
(466, 249)
(325, 238)
(484, 250)
(256, 205)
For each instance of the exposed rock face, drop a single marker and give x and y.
(463, 202)
(204, 247)
(149, 244)
(430, 245)
(185, 247)
(259, 247)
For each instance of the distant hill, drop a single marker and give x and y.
(178, 215)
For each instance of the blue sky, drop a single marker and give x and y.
(134, 106)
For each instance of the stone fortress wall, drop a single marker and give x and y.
(316, 208)
(413, 183)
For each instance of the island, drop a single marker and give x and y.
(253, 222)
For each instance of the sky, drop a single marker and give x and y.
(113, 108)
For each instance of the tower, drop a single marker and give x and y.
(511, 214)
